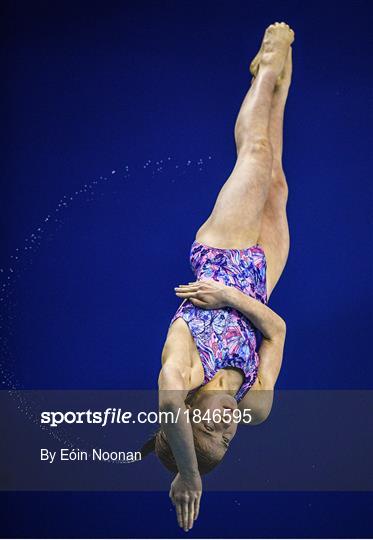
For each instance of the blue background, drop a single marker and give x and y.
(90, 88)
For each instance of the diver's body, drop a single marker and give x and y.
(250, 210)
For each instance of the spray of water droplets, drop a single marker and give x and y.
(24, 254)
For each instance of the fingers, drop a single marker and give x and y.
(179, 515)
(194, 283)
(178, 508)
(193, 293)
(190, 515)
(196, 507)
(186, 294)
(185, 512)
(187, 288)
(194, 298)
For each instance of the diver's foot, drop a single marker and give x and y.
(254, 66)
(274, 49)
(284, 79)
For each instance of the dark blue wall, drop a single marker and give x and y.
(90, 88)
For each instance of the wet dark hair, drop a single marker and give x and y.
(158, 444)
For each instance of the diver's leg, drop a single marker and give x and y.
(235, 220)
(274, 234)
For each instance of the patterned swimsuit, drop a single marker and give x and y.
(225, 337)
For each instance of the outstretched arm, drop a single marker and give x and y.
(186, 488)
(179, 434)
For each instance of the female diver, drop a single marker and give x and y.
(209, 359)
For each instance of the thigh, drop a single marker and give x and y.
(235, 220)
(274, 233)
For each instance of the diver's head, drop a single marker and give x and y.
(213, 424)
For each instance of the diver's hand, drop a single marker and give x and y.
(206, 293)
(185, 494)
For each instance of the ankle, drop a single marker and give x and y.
(268, 71)
(267, 76)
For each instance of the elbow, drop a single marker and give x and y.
(260, 416)
(263, 406)
(282, 327)
(170, 387)
(279, 331)
(262, 413)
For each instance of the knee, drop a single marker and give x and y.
(279, 184)
(278, 174)
(260, 145)
(256, 147)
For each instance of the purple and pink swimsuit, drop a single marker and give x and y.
(225, 337)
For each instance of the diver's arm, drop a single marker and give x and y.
(273, 329)
(211, 294)
(259, 398)
(179, 433)
(271, 325)
(270, 361)
(186, 488)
